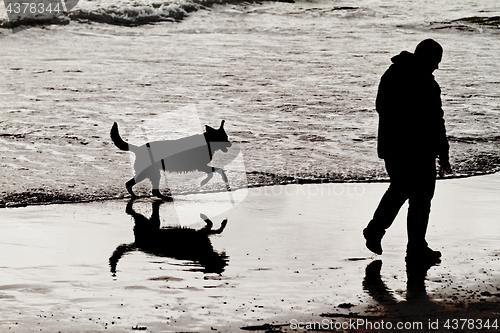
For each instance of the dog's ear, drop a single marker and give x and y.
(221, 125)
(209, 129)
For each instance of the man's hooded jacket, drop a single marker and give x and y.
(411, 123)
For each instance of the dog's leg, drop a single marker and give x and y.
(158, 194)
(142, 222)
(209, 176)
(155, 177)
(137, 179)
(130, 209)
(224, 178)
(129, 186)
(155, 215)
(208, 227)
(228, 188)
(221, 229)
(223, 175)
(207, 221)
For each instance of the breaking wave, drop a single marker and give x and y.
(471, 24)
(129, 14)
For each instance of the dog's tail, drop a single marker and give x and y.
(118, 141)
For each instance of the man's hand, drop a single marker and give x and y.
(444, 167)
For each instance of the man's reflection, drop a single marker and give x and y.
(417, 299)
(174, 242)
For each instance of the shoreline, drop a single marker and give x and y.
(34, 197)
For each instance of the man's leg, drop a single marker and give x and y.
(421, 194)
(389, 205)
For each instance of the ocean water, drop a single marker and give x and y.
(295, 82)
(419, 14)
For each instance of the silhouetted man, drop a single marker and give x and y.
(411, 136)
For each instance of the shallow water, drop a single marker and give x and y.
(293, 251)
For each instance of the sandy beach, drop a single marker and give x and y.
(292, 252)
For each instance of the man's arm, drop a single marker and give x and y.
(443, 145)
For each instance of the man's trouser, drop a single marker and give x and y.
(414, 180)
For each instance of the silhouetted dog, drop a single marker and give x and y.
(174, 242)
(192, 153)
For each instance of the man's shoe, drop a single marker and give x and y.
(424, 256)
(373, 240)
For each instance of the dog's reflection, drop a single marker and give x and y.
(174, 242)
(416, 294)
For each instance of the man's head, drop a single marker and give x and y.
(428, 54)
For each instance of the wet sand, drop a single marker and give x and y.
(296, 84)
(288, 252)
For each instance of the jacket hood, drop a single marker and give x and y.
(407, 61)
(404, 58)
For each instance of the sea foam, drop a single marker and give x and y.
(127, 13)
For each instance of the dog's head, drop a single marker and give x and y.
(217, 138)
